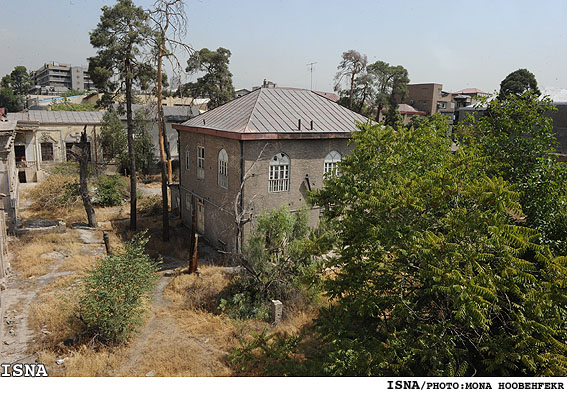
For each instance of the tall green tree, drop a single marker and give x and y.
(13, 89)
(10, 101)
(434, 274)
(390, 85)
(114, 142)
(517, 83)
(119, 38)
(216, 84)
(18, 80)
(519, 141)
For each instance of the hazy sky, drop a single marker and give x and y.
(457, 43)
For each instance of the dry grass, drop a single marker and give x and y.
(54, 313)
(190, 291)
(82, 361)
(28, 258)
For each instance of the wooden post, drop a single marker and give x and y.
(195, 257)
(106, 243)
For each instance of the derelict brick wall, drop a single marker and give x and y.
(218, 201)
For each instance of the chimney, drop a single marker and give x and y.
(312, 125)
(299, 124)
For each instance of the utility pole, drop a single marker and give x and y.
(310, 65)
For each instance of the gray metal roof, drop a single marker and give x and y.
(58, 117)
(278, 110)
(174, 114)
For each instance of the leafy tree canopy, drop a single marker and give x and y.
(216, 84)
(119, 39)
(517, 83)
(435, 274)
(18, 80)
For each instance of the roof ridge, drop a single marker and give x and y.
(253, 108)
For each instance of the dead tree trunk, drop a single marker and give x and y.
(131, 146)
(83, 157)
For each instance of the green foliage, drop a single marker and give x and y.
(119, 38)
(113, 139)
(216, 84)
(393, 118)
(13, 89)
(435, 277)
(11, 101)
(150, 206)
(269, 355)
(520, 143)
(110, 190)
(115, 292)
(390, 85)
(72, 93)
(143, 143)
(70, 169)
(372, 87)
(276, 258)
(66, 105)
(114, 143)
(517, 83)
(19, 81)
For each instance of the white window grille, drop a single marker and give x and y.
(200, 162)
(279, 173)
(187, 156)
(223, 169)
(331, 164)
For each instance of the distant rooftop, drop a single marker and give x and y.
(470, 91)
(58, 117)
(279, 110)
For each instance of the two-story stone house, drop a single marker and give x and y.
(255, 153)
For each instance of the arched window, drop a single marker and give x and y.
(331, 163)
(279, 173)
(187, 162)
(223, 169)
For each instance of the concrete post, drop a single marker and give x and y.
(277, 308)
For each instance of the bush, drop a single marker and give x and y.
(70, 169)
(275, 262)
(110, 190)
(57, 192)
(115, 292)
(150, 206)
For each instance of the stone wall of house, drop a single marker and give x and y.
(218, 202)
(307, 159)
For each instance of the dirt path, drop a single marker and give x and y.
(21, 293)
(151, 325)
(18, 297)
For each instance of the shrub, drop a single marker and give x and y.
(115, 292)
(150, 206)
(57, 192)
(275, 261)
(109, 190)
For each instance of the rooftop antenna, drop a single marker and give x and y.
(310, 65)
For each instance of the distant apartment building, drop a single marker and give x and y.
(431, 98)
(56, 78)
